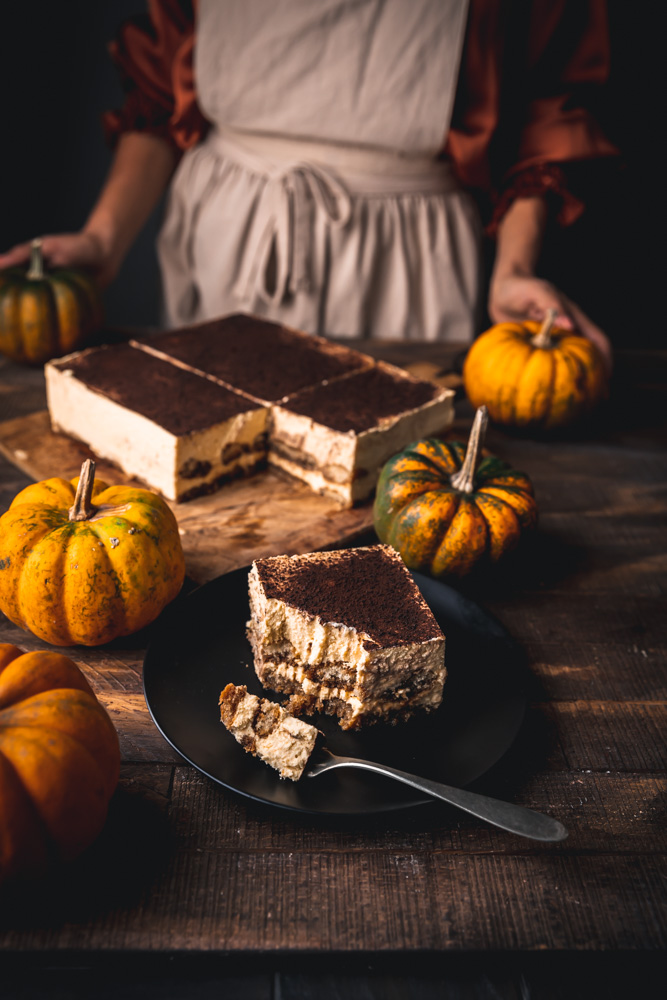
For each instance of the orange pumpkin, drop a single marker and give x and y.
(83, 562)
(534, 376)
(59, 761)
(445, 511)
(45, 315)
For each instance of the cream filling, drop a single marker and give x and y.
(337, 457)
(376, 706)
(332, 450)
(208, 446)
(346, 493)
(141, 447)
(388, 672)
(320, 691)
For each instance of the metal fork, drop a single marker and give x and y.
(515, 819)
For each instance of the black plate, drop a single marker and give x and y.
(200, 646)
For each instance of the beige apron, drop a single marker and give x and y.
(317, 199)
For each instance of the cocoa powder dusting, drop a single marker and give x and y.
(360, 401)
(368, 589)
(257, 356)
(169, 396)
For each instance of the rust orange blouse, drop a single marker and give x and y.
(529, 73)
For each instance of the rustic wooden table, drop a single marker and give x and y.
(193, 891)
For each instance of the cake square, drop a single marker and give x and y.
(336, 437)
(263, 359)
(178, 432)
(187, 410)
(267, 730)
(347, 633)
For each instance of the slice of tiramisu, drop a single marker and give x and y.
(181, 434)
(267, 731)
(263, 359)
(337, 436)
(347, 633)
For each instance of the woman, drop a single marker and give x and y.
(321, 173)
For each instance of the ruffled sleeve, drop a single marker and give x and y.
(153, 54)
(523, 106)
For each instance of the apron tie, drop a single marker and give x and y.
(301, 187)
(279, 258)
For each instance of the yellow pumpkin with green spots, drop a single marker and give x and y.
(82, 562)
(448, 511)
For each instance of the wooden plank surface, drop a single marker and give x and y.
(265, 514)
(186, 867)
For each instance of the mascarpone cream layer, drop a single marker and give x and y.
(209, 445)
(428, 698)
(143, 448)
(346, 464)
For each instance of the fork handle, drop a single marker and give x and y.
(506, 815)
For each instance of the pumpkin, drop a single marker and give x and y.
(445, 511)
(84, 562)
(59, 761)
(534, 376)
(42, 315)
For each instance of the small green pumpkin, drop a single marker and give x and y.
(446, 511)
(43, 314)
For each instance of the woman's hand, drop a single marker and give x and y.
(514, 298)
(77, 250)
(516, 294)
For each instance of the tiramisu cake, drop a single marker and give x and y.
(267, 731)
(187, 410)
(337, 436)
(178, 432)
(347, 633)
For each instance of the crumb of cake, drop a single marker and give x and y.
(266, 730)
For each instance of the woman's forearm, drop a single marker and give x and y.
(141, 169)
(519, 238)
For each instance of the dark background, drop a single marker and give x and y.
(56, 80)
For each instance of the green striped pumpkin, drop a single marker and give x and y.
(447, 510)
(45, 315)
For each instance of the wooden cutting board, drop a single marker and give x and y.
(265, 514)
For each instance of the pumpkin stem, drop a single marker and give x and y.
(36, 269)
(464, 479)
(543, 336)
(82, 508)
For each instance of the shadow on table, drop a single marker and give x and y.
(543, 560)
(118, 871)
